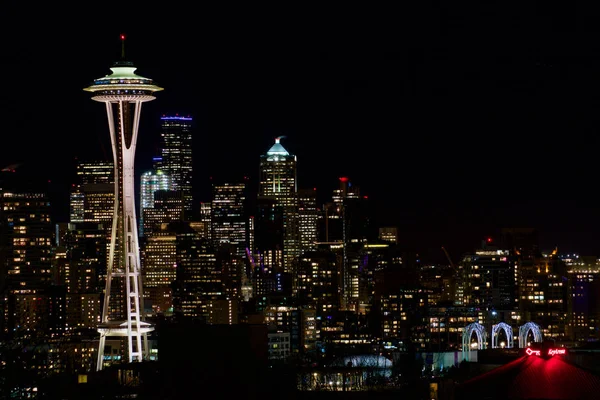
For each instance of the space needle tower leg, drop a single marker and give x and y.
(131, 261)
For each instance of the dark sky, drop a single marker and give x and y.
(456, 122)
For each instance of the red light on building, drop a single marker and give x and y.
(122, 36)
(489, 240)
(343, 179)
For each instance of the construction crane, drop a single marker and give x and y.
(448, 257)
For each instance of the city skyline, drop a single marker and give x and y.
(452, 140)
(277, 201)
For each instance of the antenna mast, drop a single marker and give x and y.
(123, 46)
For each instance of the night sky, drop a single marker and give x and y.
(455, 122)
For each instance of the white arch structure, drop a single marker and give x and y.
(524, 331)
(466, 338)
(496, 332)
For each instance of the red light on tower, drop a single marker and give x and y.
(343, 179)
(489, 240)
(123, 46)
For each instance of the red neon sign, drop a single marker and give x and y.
(551, 352)
(530, 352)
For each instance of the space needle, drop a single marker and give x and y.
(123, 92)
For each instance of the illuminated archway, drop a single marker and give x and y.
(467, 335)
(524, 331)
(496, 332)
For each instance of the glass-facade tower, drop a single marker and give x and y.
(176, 153)
(150, 182)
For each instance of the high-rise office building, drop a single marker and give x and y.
(150, 182)
(229, 221)
(584, 298)
(123, 92)
(319, 281)
(389, 234)
(25, 256)
(159, 261)
(268, 228)
(541, 282)
(168, 207)
(92, 208)
(205, 220)
(278, 181)
(84, 273)
(490, 278)
(176, 156)
(199, 275)
(345, 220)
(92, 196)
(332, 223)
(308, 220)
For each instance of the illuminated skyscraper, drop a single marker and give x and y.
(278, 182)
(199, 276)
(151, 181)
(84, 273)
(229, 222)
(176, 152)
(159, 259)
(308, 219)
(25, 257)
(389, 234)
(168, 207)
(228, 218)
(205, 220)
(346, 221)
(584, 297)
(92, 197)
(123, 92)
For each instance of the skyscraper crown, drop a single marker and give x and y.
(277, 149)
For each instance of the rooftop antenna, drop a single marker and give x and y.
(122, 46)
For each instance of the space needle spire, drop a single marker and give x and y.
(122, 46)
(123, 92)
